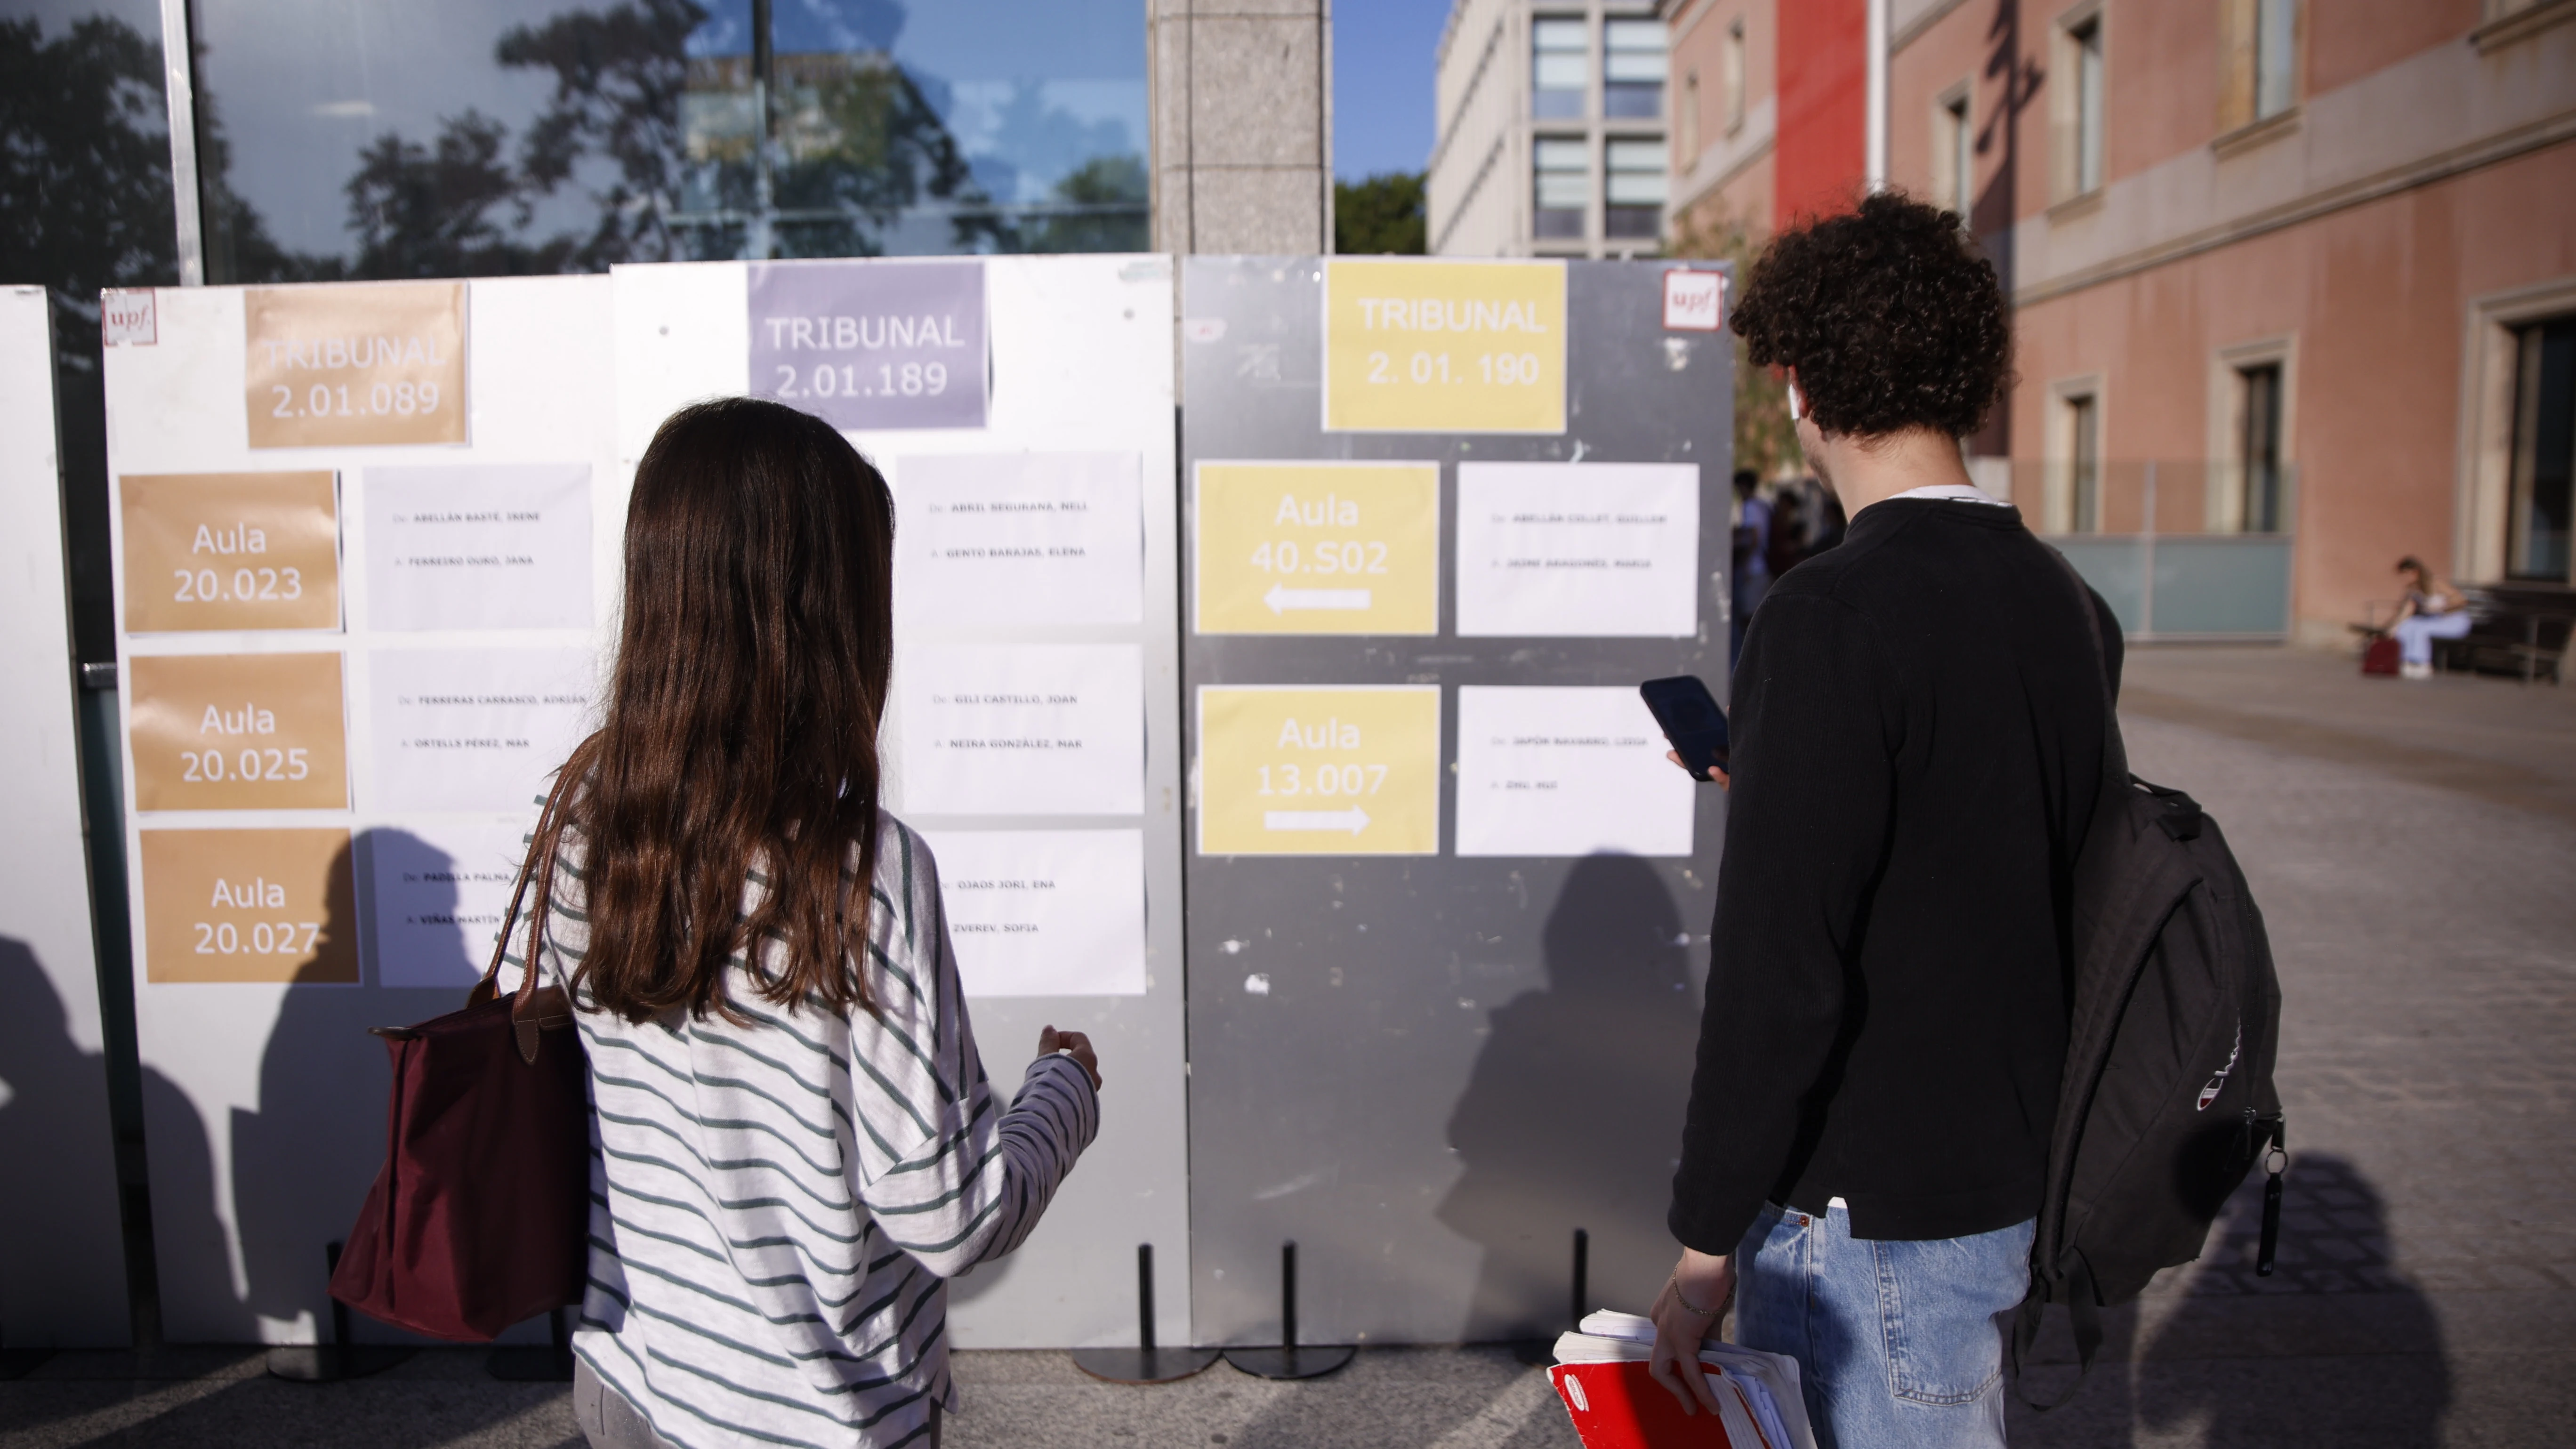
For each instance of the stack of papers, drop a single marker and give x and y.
(1760, 1404)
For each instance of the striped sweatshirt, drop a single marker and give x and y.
(776, 1208)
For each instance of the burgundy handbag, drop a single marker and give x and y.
(480, 1216)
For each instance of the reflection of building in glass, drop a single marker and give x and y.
(1551, 117)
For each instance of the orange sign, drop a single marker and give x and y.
(249, 905)
(231, 551)
(238, 732)
(349, 365)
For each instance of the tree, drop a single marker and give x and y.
(1101, 207)
(1766, 441)
(1382, 215)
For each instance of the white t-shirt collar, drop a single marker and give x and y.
(1955, 492)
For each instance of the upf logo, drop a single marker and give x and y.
(1694, 301)
(126, 318)
(2209, 1093)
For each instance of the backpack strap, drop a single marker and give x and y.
(2083, 1315)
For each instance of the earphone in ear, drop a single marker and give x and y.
(1797, 404)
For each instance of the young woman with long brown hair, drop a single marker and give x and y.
(796, 1144)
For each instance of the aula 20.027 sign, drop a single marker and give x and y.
(871, 344)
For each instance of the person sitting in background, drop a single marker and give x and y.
(2431, 610)
(794, 1145)
(1752, 575)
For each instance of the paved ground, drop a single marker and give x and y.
(2414, 849)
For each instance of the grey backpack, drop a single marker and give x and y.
(2167, 1100)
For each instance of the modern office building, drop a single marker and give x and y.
(2291, 279)
(1551, 130)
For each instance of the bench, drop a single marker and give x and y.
(2516, 629)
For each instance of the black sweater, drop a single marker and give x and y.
(1917, 729)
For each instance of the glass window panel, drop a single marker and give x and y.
(2088, 107)
(1563, 72)
(1644, 153)
(1559, 189)
(1558, 33)
(485, 136)
(1632, 188)
(1634, 35)
(84, 204)
(2275, 58)
(1632, 223)
(2543, 508)
(1633, 66)
(1557, 105)
(1561, 153)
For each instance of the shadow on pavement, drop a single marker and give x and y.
(2336, 1347)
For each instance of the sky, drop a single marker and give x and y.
(1383, 52)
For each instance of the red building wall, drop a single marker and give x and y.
(1822, 155)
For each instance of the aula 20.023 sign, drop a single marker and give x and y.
(870, 345)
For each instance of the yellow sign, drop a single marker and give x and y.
(1286, 770)
(1318, 548)
(238, 732)
(231, 551)
(1444, 347)
(344, 365)
(249, 905)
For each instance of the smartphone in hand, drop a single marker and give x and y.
(1691, 720)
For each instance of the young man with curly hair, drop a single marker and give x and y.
(1918, 731)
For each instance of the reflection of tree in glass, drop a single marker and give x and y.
(1382, 215)
(1103, 205)
(619, 75)
(84, 163)
(423, 211)
(862, 144)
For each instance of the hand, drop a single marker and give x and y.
(1714, 773)
(1051, 1041)
(1708, 1282)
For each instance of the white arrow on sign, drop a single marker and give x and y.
(1281, 598)
(1353, 820)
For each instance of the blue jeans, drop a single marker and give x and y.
(1898, 1343)
(2416, 633)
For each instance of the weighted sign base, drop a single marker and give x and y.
(1290, 1361)
(1142, 1365)
(551, 1364)
(325, 1363)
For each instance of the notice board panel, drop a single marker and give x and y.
(1021, 407)
(1430, 1066)
(332, 735)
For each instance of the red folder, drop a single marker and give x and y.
(1619, 1406)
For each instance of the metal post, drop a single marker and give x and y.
(1582, 1275)
(2147, 560)
(1291, 1359)
(1147, 1362)
(761, 244)
(179, 92)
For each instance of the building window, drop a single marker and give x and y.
(2258, 446)
(2276, 29)
(1632, 72)
(1564, 184)
(2080, 109)
(1690, 121)
(2544, 450)
(1954, 169)
(1560, 67)
(1735, 76)
(2083, 504)
(1635, 191)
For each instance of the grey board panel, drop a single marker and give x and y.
(1458, 1062)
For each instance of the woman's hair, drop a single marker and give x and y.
(741, 730)
(2413, 565)
(1890, 315)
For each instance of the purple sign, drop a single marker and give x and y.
(871, 344)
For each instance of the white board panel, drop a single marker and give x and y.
(62, 1258)
(264, 1102)
(1081, 357)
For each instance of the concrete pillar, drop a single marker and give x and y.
(1242, 125)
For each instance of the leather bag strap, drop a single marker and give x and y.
(532, 1010)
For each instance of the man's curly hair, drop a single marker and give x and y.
(1891, 318)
